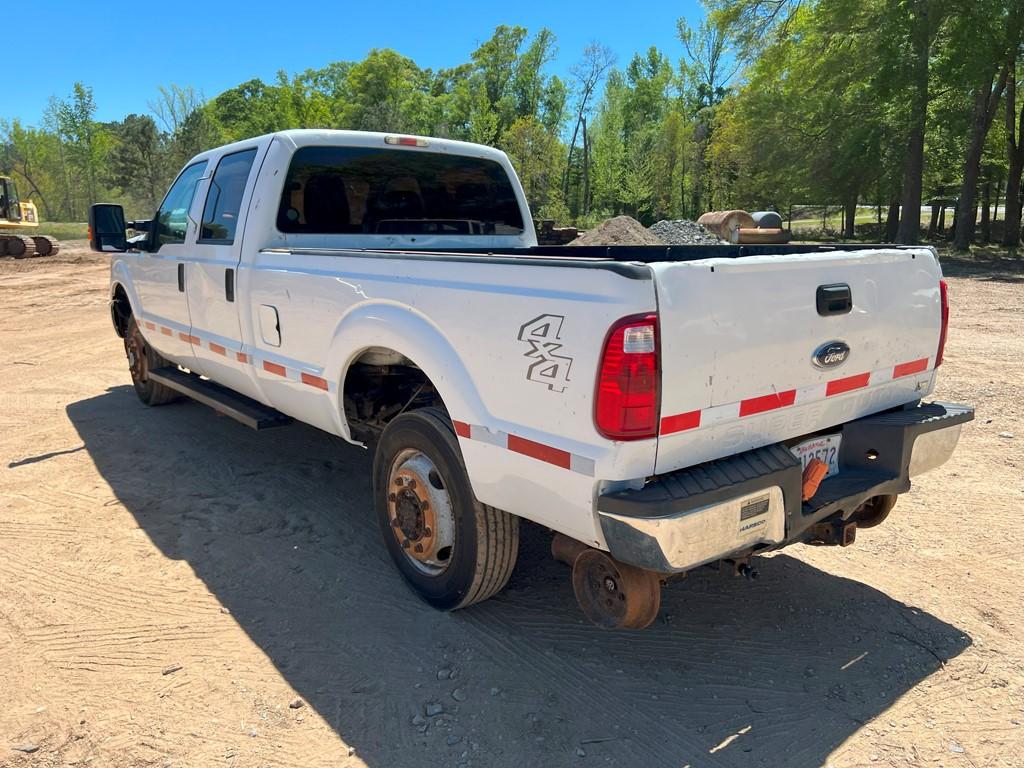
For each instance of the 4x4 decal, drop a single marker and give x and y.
(543, 334)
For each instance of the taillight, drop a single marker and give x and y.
(944, 298)
(627, 399)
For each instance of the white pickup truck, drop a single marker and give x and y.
(658, 408)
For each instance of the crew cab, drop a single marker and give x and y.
(657, 408)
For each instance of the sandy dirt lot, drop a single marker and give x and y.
(176, 590)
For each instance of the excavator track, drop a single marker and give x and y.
(46, 245)
(18, 246)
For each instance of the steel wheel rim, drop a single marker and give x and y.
(420, 512)
(135, 349)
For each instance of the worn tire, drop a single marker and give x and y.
(149, 391)
(486, 540)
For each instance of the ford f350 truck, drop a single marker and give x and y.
(657, 408)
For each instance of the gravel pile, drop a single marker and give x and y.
(622, 230)
(684, 232)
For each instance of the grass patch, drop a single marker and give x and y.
(62, 230)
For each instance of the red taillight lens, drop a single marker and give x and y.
(944, 298)
(628, 380)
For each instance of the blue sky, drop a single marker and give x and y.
(126, 50)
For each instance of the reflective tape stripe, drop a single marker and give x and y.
(719, 414)
(274, 368)
(850, 383)
(908, 369)
(540, 451)
(314, 381)
(767, 402)
(524, 447)
(680, 422)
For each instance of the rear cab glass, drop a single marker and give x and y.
(367, 190)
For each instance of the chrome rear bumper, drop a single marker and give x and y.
(752, 502)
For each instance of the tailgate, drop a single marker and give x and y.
(748, 359)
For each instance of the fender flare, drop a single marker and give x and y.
(120, 276)
(411, 334)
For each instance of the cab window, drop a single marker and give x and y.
(224, 200)
(172, 218)
(334, 190)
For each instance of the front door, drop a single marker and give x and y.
(212, 274)
(159, 275)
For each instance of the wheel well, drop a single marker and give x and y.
(120, 310)
(379, 385)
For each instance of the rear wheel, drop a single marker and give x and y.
(142, 359)
(452, 550)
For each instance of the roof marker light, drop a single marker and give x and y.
(405, 141)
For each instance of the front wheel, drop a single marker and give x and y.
(452, 550)
(142, 359)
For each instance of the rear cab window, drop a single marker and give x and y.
(368, 190)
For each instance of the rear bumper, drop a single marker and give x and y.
(751, 502)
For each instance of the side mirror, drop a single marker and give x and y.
(107, 228)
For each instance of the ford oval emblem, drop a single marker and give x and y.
(830, 354)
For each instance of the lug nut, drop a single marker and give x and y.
(405, 543)
(418, 548)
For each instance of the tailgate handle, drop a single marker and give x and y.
(834, 299)
(229, 284)
(181, 277)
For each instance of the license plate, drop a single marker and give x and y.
(824, 448)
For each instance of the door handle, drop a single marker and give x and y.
(181, 277)
(229, 284)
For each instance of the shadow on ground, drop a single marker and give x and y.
(278, 525)
(984, 263)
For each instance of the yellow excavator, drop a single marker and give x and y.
(15, 212)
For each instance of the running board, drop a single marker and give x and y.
(223, 400)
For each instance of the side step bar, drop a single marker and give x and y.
(223, 400)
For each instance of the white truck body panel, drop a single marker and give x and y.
(738, 330)
(730, 330)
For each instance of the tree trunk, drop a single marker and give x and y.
(986, 100)
(1014, 132)
(933, 221)
(913, 167)
(586, 170)
(986, 212)
(1015, 156)
(850, 218)
(892, 220)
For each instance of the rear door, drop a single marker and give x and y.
(750, 356)
(212, 272)
(159, 272)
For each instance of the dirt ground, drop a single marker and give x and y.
(176, 590)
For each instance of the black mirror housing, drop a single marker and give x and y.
(107, 228)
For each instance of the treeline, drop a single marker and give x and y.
(766, 104)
